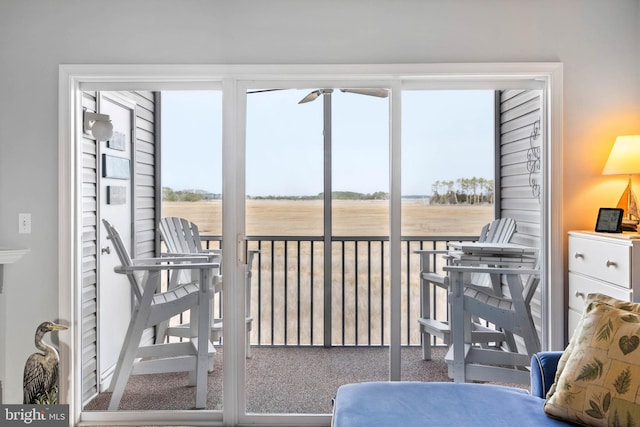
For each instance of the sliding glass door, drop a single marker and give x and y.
(317, 214)
(313, 191)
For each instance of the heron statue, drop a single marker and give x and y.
(40, 379)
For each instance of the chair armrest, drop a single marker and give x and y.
(425, 261)
(543, 371)
(430, 251)
(491, 270)
(211, 252)
(160, 267)
(172, 258)
(435, 278)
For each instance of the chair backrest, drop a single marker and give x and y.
(180, 235)
(500, 230)
(123, 255)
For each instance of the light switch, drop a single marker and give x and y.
(24, 223)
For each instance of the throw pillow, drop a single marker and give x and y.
(600, 382)
(588, 306)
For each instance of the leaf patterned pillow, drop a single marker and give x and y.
(588, 306)
(600, 382)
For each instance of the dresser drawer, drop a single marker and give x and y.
(603, 261)
(580, 286)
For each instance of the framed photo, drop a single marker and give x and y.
(115, 167)
(116, 195)
(117, 141)
(609, 220)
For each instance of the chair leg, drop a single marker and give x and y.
(510, 341)
(425, 313)
(161, 332)
(248, 339)
(194, 324)
(426, 346)
(460, 322)
(204, 326)
(129, 349)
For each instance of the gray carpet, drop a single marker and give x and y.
(281, 380)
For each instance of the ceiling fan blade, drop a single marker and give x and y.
(262, 90)
(380, 93)
(312, 96)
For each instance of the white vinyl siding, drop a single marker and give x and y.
(519, 164)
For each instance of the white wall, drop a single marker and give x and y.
(597, 41)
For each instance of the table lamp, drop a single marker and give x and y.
(624, 159)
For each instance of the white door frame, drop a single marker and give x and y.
(75, 78)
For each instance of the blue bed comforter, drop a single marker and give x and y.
(412, 404)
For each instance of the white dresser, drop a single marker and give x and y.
(605, 263)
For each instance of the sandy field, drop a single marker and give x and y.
(350, 217)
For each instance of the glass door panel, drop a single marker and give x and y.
(448, 152)
(316, 206)
(189, 146)
(284, 222)
(360, 218)
(191, 177)
(192, 159)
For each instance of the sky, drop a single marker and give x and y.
(446, 135)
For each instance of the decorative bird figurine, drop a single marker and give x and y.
(40, 379)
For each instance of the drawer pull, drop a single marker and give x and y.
(611, 263)
(578, 255)
(579, 294)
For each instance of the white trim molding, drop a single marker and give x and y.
(74, 78)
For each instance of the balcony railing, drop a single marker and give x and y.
(289, 290)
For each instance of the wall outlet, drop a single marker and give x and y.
(24, 223)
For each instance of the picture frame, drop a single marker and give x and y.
(116, 195)
(609, 220)
(117, 141)
(115, 167)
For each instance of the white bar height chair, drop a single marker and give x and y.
(499, 231)
(153, 307)
(182, 237)
(469, 362)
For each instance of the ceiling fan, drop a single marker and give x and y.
(312, 96)
(380, 93)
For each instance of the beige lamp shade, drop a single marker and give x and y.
(624, 158)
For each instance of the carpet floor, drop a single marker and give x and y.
(281, 380)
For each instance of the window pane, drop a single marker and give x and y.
(447, 161)
(284, 181)
(360, 156)
(192, 158)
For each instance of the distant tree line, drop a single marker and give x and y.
(336, 195)
(463, 190)
(471, 191)
(170, 195)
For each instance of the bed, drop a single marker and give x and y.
(412, 404)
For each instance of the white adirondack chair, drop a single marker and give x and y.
(182, 237)
(469, 362)
(153, 307)
(499, 231)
